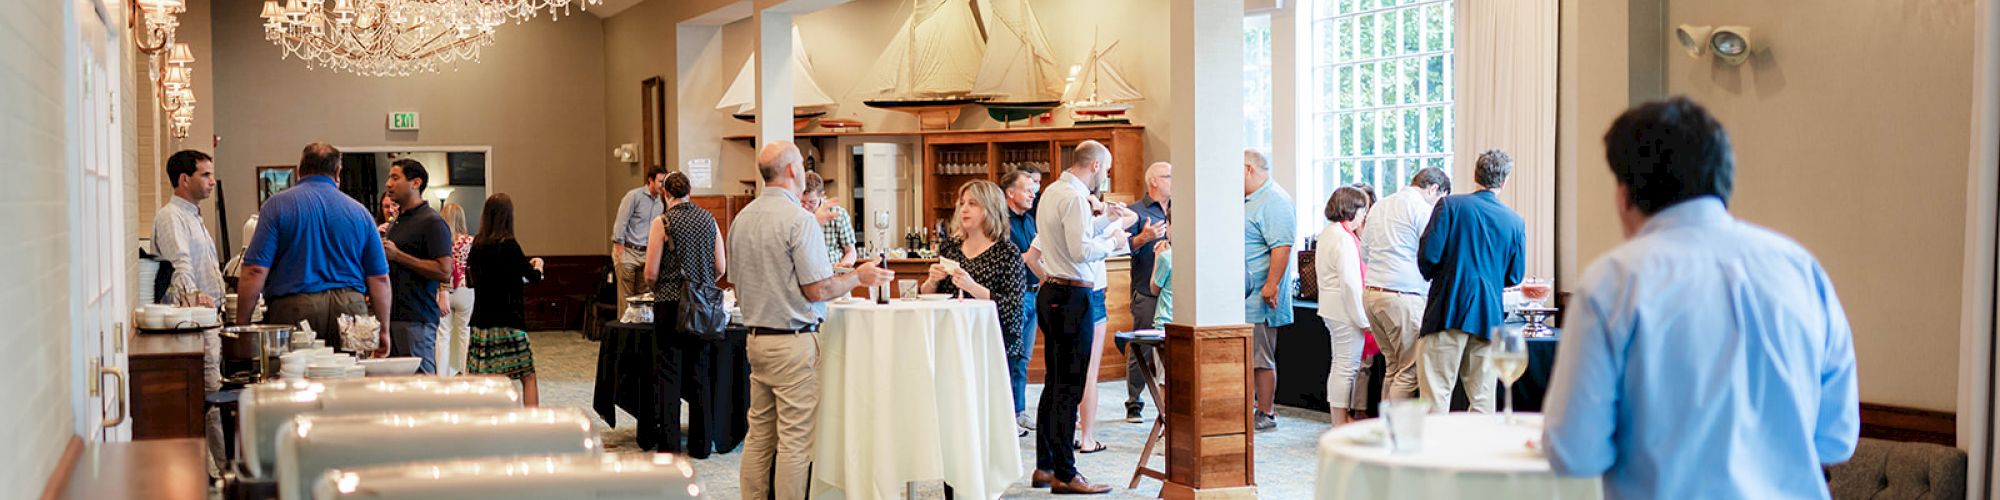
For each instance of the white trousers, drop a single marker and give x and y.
(1347, 345)
(455, 335)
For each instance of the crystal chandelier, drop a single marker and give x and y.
(153, 23)
(394, 37)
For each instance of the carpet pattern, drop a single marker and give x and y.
(566, 366)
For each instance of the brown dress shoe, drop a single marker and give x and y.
(1078, 485)
(1041, 479)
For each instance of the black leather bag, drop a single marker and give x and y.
(699, 311)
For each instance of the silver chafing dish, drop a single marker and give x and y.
(310, 445)
(637, 476)
(267, 406)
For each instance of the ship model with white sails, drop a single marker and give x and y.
(931, 65)
(808, 100)
(1018, 76)
(1098, 93)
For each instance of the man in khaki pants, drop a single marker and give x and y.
(629, 230)
(1394, 295)
(782, 276)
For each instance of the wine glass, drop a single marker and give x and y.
(1508, 359)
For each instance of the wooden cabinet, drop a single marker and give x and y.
(953, 158)
(166, 387)
(723, 207)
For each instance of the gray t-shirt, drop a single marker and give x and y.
(774, 247)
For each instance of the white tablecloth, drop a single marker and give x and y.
(1464, 455)
(913, 391)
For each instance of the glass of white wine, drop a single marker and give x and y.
(1508, 359)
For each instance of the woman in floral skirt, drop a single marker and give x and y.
(497, 270)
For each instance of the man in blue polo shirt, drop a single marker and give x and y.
(1021, 187)
(314, 251)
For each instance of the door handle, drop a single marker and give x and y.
(117, 374)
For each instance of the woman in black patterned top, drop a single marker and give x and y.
(685, 247)
(989, 264)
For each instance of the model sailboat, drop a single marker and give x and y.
(931, 64)
(808, 101)
(1018, 74)
(1099, 95)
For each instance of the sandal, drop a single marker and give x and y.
(1081, 449)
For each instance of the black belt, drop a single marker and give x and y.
(778, 331)
(632, 247)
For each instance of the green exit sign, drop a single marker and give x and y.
(403, 120)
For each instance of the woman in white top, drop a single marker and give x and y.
(1337, 259)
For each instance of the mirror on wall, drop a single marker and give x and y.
(458, 176)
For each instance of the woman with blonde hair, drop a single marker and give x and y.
(455, 298)
(988, 266)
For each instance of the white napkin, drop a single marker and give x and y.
(360, 334)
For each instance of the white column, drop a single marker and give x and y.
(774, 76)
(1207, 153)
(1291, 112)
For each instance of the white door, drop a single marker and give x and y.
(98, 246)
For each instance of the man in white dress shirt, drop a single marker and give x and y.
(1394, 291)
(179, 237)
(1070, 247)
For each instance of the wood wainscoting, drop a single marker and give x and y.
(1897, 423)
(569, 285)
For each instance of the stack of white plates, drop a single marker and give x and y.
(319, 371)
(292, 365)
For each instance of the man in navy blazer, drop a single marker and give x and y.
(1471, 251)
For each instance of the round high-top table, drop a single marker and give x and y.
(913, 391)
(1464, 455)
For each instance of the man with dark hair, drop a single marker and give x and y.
(629, 232)
(1472, 249)
(1705, 357)
(839, 226)
(314, 251)
(1393, 291)
(180, 239)
(418, 246)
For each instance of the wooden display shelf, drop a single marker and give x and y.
(999, 150)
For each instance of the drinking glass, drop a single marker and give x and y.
(908, 287)
(1405, 420)
(1508, 359)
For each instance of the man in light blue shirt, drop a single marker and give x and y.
(1270, 224)
(1706, 357)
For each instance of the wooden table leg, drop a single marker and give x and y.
(1155, 386)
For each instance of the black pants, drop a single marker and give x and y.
(681, 365)
(1064, 315)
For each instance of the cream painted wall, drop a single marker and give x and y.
(536, 98)
(1850, 137)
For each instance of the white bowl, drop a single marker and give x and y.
(389, 367)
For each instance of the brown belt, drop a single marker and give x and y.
(1397, 292)
(1067, 282)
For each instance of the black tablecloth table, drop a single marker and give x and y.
(1305, 352)
(625, 379)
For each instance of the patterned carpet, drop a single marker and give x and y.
(566, 364)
